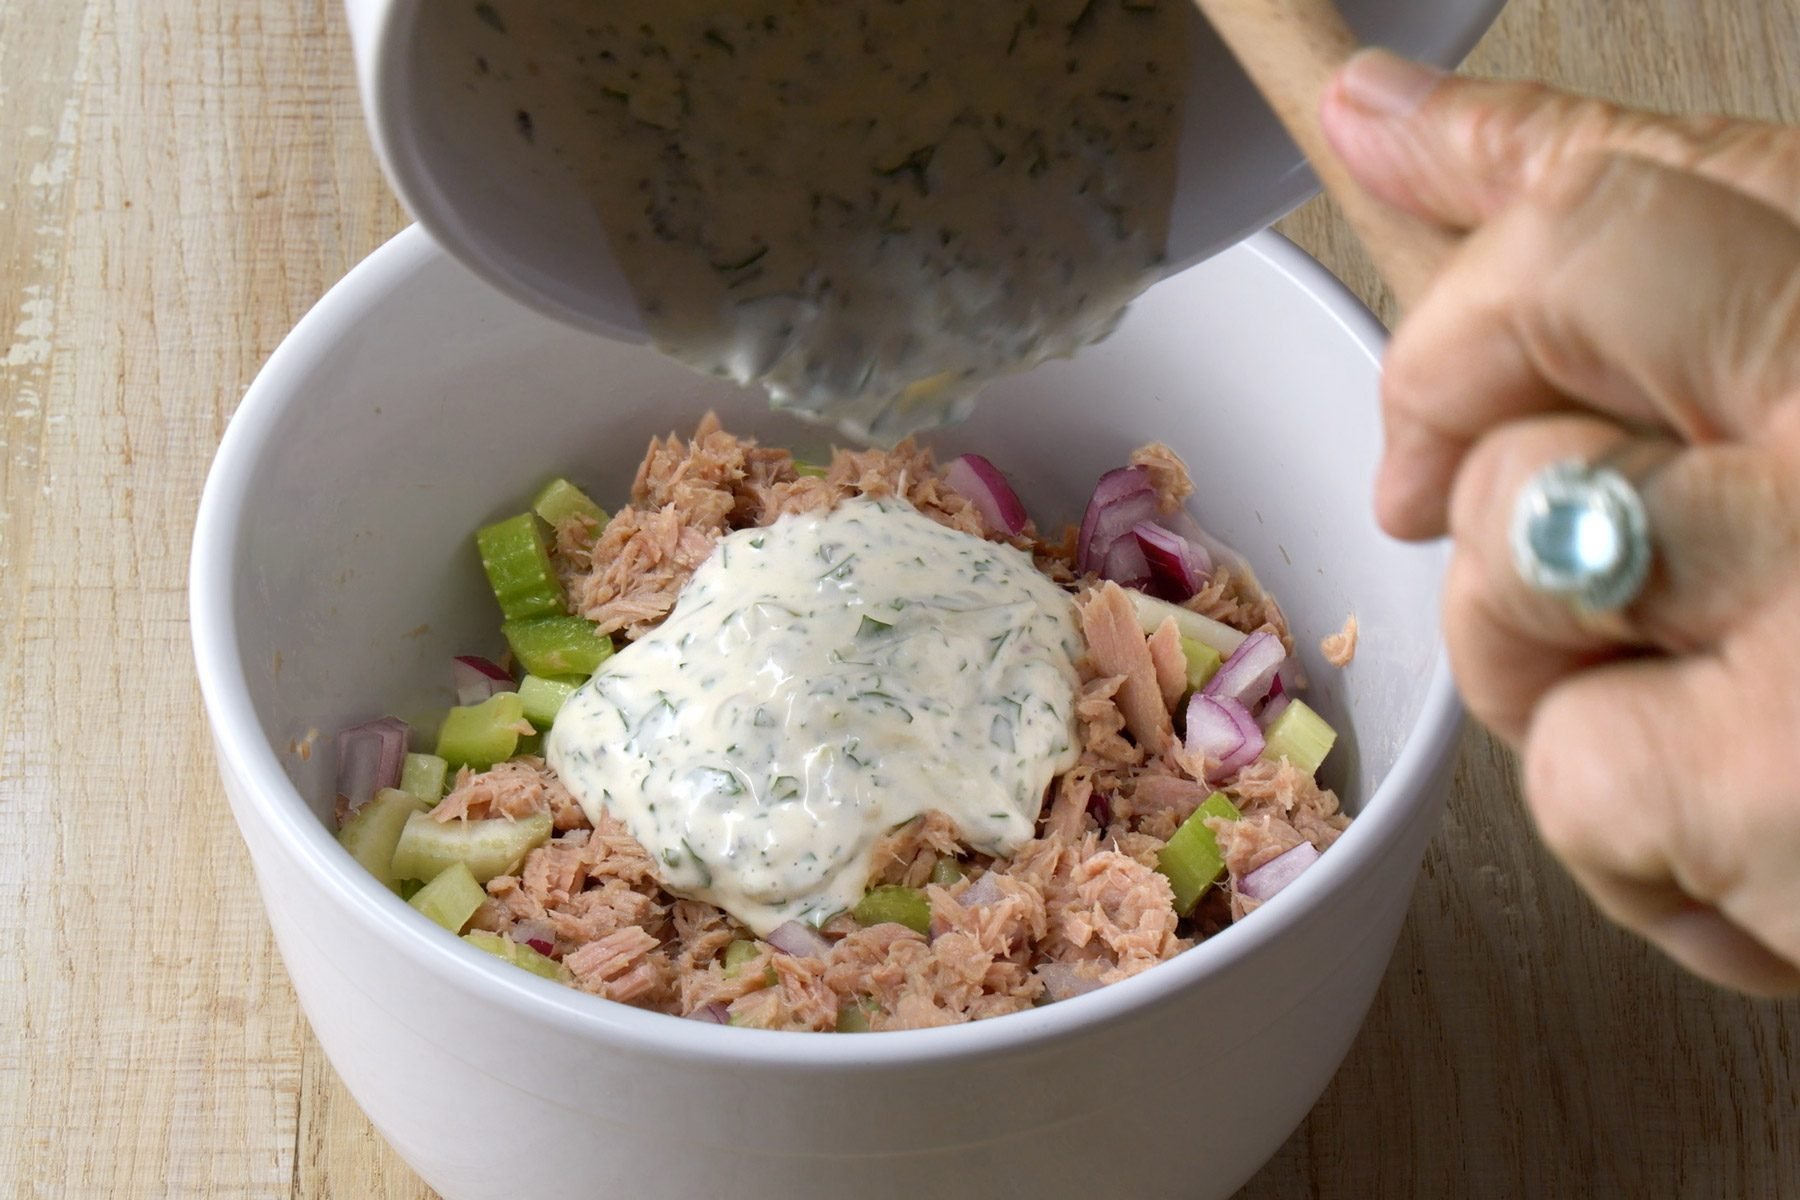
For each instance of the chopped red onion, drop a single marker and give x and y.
(1178, 567)
(539, 935)
(478, 678)
(982, 892)
(1222, 730)
(370, 757)
(1121, 499)
(980, 483)
(1247, 674)
(1273, 709)
(1278, 872)
(800, 940)
(711, 1014)
(1126, 565)
(1062, 981)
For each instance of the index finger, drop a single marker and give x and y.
(1457, 151)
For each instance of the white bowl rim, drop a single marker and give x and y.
(246, 752)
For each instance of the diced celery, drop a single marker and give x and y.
(481, 734)
(1202, 662)
(946, 871)
(809, 469)
(410, 888)
(1151, 613)
(854, 1017)
(557, 645)
(1299, 735)
(541, 964)
(561, 500)
(451, 898)
(488, 848)
(532, 744)
(518, 567)
(423, 776)
(891, 902)
(493, 943)
(543, 698)
(737, 954)
(1191, 859)
(373, 831)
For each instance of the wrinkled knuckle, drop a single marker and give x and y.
(1572, 185)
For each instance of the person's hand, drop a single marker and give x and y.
(1619, 275)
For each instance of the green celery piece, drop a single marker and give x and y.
(804, 469)
(481, 735)
(532, 744)
(891, 902)
(561, 500)
(451, 898)
(373, 831)
(518, 567)
(1299, 735)
(551, 646)
(1203, 662)
(1191, 859)
(541, 964)
(543, 698)
(410, 888)
(737, 954)
(493, 943)
(1151, 613)
(423, 776)
(946, 871)
(488, 848)
(854, 1018)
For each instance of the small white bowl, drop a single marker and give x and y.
(333, 576)
(454, 154)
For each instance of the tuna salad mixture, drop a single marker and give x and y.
(852, 746)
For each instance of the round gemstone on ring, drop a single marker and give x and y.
(1581, 532)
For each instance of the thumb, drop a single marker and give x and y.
(1456, 151)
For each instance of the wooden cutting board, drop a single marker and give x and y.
(179, 180)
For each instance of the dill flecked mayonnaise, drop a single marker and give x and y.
(871, 208)
(819, 682)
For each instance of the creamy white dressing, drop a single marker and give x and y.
(869, 207)
(820, 682)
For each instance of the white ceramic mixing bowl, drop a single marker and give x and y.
(460, 166)
(333, 575)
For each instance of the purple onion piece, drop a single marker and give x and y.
(1178, 567)
(1121, 499)
(478, 678)
(1064, 981)
(983, 891)
(1222, 730)
(800, 940)
(711, 1014)
(1278, 872)
(980, 483)
(369, 758)
(1247, 674)
(1125, 564)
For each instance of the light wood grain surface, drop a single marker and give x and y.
(181, 179)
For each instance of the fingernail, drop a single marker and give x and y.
(1385, 85)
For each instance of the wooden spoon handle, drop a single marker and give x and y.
(1290, 49)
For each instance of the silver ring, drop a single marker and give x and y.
(1580, 532)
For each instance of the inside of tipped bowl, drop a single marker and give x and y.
(462, 165)
(416, 404)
